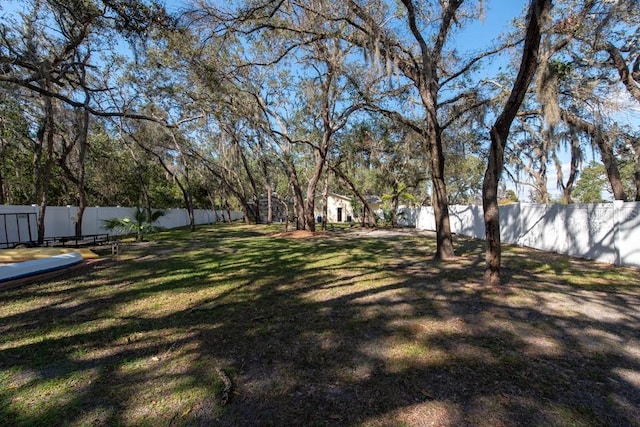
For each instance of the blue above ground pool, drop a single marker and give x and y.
(20, 270)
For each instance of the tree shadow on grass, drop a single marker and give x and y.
(316, 332)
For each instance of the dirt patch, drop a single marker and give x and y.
(388, 232)
(300, 234)
(359, 232)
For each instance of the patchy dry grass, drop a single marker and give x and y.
(348, 328)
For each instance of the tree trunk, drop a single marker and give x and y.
(309, 206)
(542, 175)
(325, 200)
(636, 174)
(428, 86)
(269, 205)
(185, 189)
(189, 198)
(2, 167)
(444, 239)
(295, 187)
(394, 205)
(82, 152)
(573, 173)
(269, 188)
(626, 77)
(48, 165)
(433, 139)
(491, 210)
(365, 214)
(321, 155)
(248, 212)
(190, 208)
(146, 200)
(538, 10)
(212, 202)
(611, 166)
(252, 181)
(606, 152)
(2, 199)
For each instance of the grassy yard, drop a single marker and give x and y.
(239, 326)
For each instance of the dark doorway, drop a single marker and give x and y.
(339, 214)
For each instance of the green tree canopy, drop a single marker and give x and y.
(591, 184)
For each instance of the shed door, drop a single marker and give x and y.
(339, 214)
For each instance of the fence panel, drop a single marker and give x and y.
(510, 223)
(464, 221)
(628, 243)
(607, 232)
(60, 220)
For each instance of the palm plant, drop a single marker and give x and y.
(141, 223)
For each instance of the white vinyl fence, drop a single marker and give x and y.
(607, 232)
(60, 221)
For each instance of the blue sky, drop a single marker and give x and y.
(499, 15)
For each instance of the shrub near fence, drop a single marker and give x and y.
(60, 220)
(607, 232)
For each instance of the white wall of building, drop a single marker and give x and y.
(335, 202)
